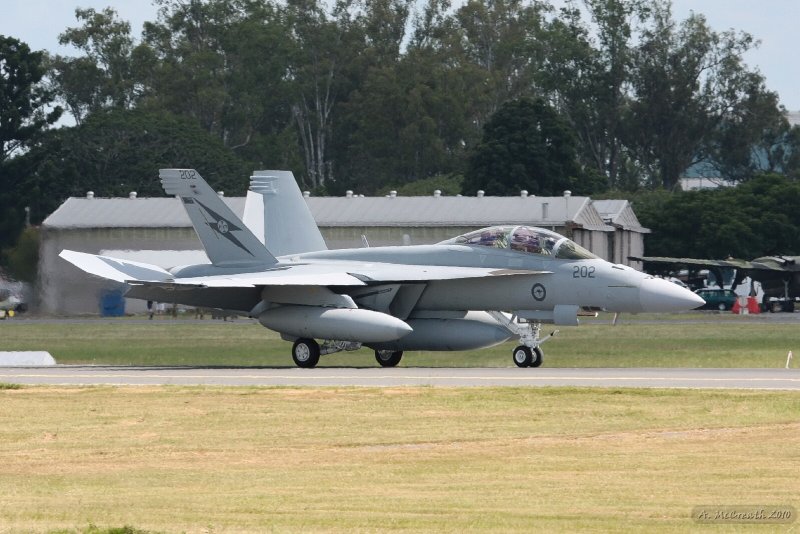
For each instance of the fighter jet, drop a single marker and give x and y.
(779, 275)
(472, 291)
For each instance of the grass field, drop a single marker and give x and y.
(684, 340)
(401, 459)
(169, 459)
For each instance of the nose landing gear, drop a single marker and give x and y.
(527, 356)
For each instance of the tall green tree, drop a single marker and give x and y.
(756, 218)
(753, 137)
(25, 104)
(588, 75)
(26, 110)
(226, 64)
(115, 152)
(324, 44)
(501, 41)
(188, 72)
(525, 145)
(686, 78)
(366, 94)
(104, 76)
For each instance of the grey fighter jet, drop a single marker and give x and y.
(470, 292)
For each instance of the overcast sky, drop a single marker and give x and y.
(774, 22)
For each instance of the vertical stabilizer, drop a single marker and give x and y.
(276, 208)
(226, 239)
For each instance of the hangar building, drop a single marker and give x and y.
(158, 231)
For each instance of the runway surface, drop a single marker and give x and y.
(763, 379)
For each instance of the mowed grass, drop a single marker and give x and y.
(677, 341)
(398, 459)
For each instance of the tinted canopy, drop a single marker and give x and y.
(528, 239)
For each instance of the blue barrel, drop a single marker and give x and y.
(112, 304)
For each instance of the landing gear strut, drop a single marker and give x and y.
(388, 358)
(305, 353)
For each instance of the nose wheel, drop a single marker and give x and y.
(527, 357)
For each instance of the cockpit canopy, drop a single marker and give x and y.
(527, 239)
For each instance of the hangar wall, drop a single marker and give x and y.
(62, 288)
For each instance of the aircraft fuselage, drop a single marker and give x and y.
(593, 283)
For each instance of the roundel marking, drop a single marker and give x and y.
(222, 226)
(539, 292)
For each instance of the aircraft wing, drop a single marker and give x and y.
(331, 274)
(115, 269)
(345, 275)
(143, 274)
(731, 263)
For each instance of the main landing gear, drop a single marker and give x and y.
(306, 351)
(388, 358)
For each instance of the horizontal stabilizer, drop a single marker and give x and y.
(115, 269)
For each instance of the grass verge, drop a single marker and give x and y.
(418, 459)
(717, 341)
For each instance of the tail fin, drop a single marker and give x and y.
(276, 210)
(226, 239)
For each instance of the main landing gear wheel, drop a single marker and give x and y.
(305, 353)
(527, 357)
(388, 358)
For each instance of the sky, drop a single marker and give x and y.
(773, 22)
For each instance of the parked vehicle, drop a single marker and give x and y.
(717, 299)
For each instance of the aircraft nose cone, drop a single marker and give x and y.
(660, 296)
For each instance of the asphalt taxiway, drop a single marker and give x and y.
(70, 375)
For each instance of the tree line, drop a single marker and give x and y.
(371, 95)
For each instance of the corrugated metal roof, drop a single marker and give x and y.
(126, 213)
(620, 213)
(344, 211)
(454, 211)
